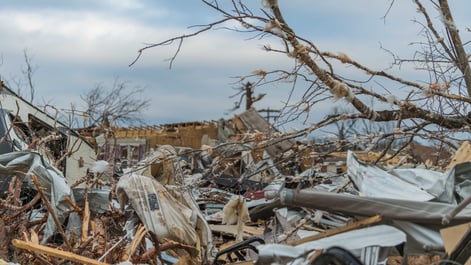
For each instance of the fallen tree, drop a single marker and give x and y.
(432, 105)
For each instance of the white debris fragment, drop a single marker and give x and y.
(100, 166)
(391, 99)
(269, 3)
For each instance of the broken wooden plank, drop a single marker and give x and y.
(452, 236)
(141, 232)
(54, 252)
(249, 262)
(356, 225)
(462, 252)
(86, 219)
(225, 246)
(232, 230)
(463, 154)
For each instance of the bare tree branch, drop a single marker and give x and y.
(119, 104)
(429, 107)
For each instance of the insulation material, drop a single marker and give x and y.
(235, 210)
(158, 210)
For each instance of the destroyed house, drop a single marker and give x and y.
(131, 144)
(23, 126)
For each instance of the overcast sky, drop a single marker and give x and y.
(78, 44)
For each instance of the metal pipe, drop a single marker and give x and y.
(393, 209)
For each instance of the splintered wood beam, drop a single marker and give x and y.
(86, 218)
(74, 205)
(356, 225)
(54, 252)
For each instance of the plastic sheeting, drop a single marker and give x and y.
(202, 227)
(158, 210)
(167, 210)
(98, 199)
(55, 187)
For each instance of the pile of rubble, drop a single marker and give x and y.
(248, 195)
(234, 203)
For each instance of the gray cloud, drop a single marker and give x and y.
(77, 44)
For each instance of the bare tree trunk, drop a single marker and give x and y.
(461, 56)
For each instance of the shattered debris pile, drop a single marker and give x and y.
(247, 200)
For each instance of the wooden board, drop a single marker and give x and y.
(452, 235)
